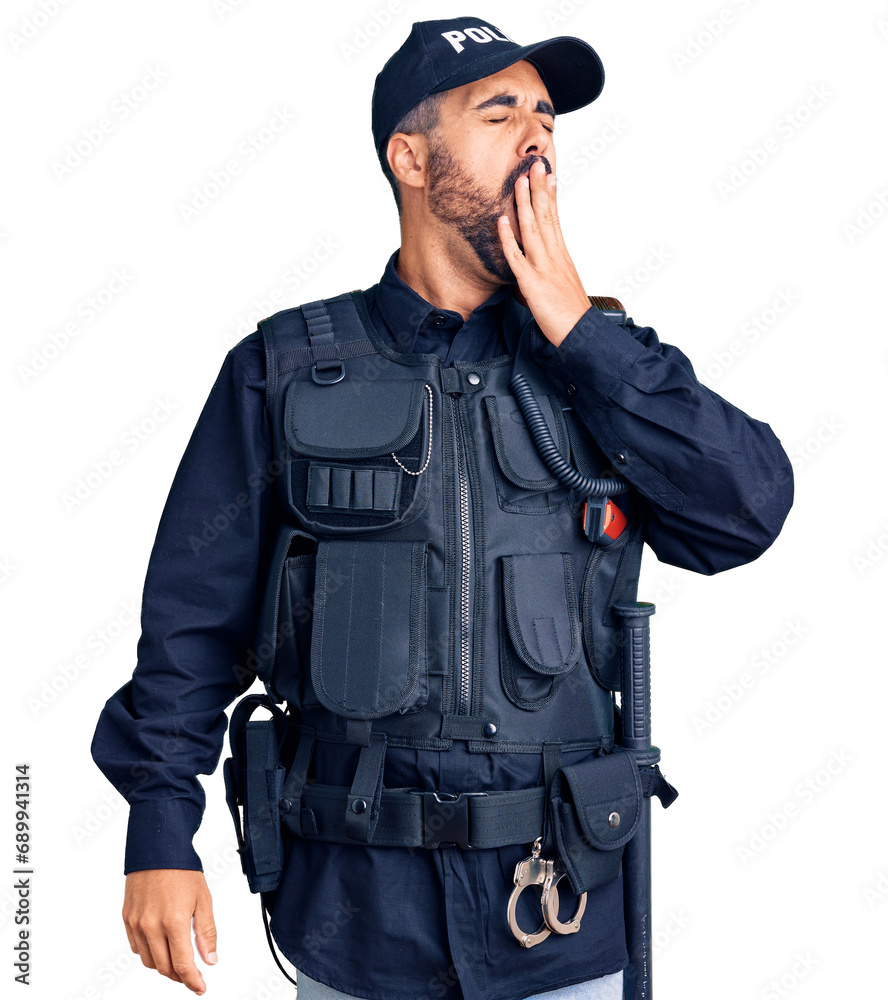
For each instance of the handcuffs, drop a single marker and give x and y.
(545, 872)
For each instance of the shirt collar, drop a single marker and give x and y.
(407, 313)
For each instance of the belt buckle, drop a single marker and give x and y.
(445, 818)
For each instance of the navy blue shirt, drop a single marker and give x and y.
(396, 923)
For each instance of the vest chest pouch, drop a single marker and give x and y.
(368, 642)
(540, 631)
(342, 476)
(524, 484)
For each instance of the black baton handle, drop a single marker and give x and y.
(635, 722)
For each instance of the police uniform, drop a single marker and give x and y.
(362, 520)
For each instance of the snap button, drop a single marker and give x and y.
(571, 389)
(473, 378)
(620, 457)
(614, 819)
(359, 805)
(489, 729)
(440, 320)
(286, 805)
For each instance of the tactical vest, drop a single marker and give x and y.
(431, 583)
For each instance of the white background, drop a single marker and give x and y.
(664, 206)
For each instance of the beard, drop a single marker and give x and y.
(460, 202)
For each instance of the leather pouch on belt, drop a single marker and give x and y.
(595, 808)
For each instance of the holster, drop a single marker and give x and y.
(254, 777)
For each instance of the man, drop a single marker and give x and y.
(463, 121)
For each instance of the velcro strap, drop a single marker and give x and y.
(365, 795)
(653, 783)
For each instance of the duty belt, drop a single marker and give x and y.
(413, 817)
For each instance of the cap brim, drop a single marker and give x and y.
(570, 68)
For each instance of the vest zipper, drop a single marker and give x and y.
(463, 706)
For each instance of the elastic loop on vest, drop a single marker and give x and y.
(291, 794)
(365, 794)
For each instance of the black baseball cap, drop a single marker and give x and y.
(441, 55)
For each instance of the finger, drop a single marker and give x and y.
(130, 936)
(531, 237)
(205, 929)
(544, 210)
(511, 250)
(143, 950)
(160, 952)
(552, 189)
(182, 957)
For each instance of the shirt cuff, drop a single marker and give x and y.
(595, 353)
(159, 834)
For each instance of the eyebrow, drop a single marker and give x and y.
(511, 101)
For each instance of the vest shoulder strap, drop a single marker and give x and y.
(316, 334)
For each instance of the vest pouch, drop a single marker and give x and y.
(540, 632)
(368, 643)
(594, 809)
(523, 481)
(285, 617)
(342, 477)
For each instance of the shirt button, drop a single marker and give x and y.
(571, 389)
(440, 320)
(620, 458)
(473, 378)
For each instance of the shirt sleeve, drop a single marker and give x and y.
(167, 724)
(717, 483)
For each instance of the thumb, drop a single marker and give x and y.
(205, 928)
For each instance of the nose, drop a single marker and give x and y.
(536, 139)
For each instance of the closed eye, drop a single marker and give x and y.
(548, 128)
